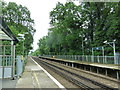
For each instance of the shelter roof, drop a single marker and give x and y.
(6, 33)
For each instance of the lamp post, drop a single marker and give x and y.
(113, 46)
(22, 36)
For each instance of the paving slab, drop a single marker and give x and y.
(8, 83)
(35, 77)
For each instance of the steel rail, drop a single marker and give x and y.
(76, 82)
(92, 81)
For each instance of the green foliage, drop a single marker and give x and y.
(19, 21)
(76, 29)
(36, 53)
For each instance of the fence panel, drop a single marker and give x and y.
(87, 58)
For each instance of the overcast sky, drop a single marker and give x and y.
(40, 13)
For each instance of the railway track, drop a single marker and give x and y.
(97, 77)
(77, 70)
(73, 77)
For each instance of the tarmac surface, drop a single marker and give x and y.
(8, 83)
(33, 77)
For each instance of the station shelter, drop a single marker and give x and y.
(8, 42)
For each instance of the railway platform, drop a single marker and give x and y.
(109, 70)
(35, 76)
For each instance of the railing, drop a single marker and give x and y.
(86, 58)
(6, 60)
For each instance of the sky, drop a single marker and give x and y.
(40, 10)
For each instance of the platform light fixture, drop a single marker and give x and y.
(113, 46)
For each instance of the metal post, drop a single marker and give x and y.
(72, 65)
(66, 64)
(117, 75)
(13, 61)
(97, 71)
(98, 61)
(113, 46)
(114, 52)
(103, 54)
(13, 58)
(3, 62)
(92, 55)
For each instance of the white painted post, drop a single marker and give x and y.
(72, 65)
(114, 52)
(118, 75)
(66, 64)
(3, 69)
(97, 71)
(13, 57)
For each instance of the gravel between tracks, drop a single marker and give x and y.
(78, 71)
(106, 81)
(63, 81)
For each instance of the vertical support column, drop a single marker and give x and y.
(103, 54)
(84, 67)
(6, 60)
(66, 64)
(106, 73)
(114, 52)
(75, 57)
(92, 55)
(86, 58)
(13, 58)
(97, 71)
(117, 75)
(105, 59)
(72, 65)
(3, 62)
(98, 59)
(0, 56)
(90, 69)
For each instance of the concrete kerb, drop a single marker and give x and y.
(57, 83)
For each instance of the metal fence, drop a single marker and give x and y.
(6, 60)
(6, 66)
(86, 58)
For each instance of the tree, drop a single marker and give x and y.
(77, 29)
(19, 21)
